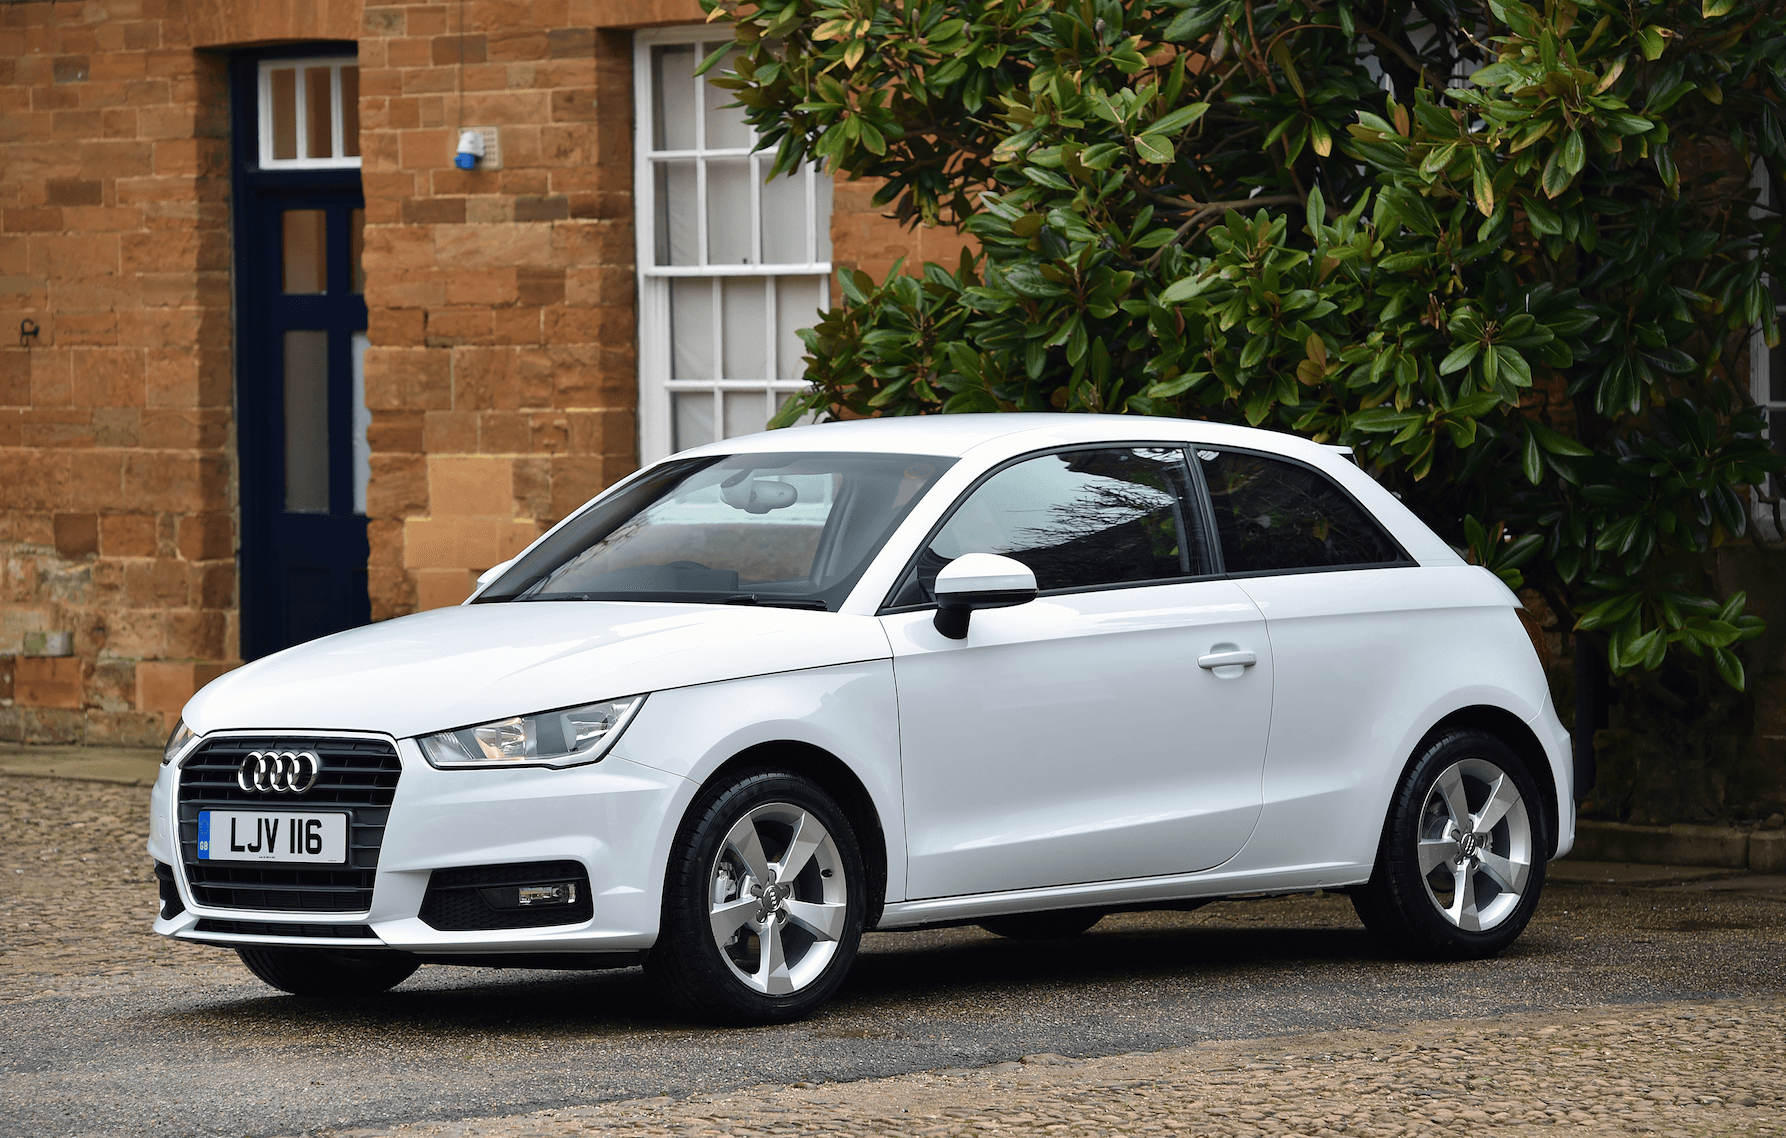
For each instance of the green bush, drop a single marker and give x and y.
(1525, 298)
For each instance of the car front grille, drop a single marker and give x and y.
(358, 777)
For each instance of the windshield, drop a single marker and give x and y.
(793, 530)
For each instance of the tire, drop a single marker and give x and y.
(748, 936)
(1058, 924)
(1461, 864)
(326, 972)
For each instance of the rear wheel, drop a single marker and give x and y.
(763, 902)
(1056, 925)
(1461, 863)
(328, 971)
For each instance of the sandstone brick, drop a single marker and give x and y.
(447, 432)
(396, 432)
(462, 485)
(77, 535)
(49, 681)
(127, 535)
(442, 588)
(399, 486)
(207, 537)
(449, 327)
(408, 379)
(167, 685)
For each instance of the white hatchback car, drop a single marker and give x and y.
(1013, 670)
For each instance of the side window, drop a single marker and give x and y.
(1273, 515)
(1078, 519)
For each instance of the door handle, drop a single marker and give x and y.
(1227, 660)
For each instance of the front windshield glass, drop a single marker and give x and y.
(793, 530)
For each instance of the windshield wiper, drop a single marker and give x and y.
(776, 602)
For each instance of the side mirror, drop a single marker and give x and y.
(979, 581)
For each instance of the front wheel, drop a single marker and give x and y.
(1461, 863)
(327, 971)
(763, 902)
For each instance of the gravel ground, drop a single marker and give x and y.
(1715, 1069)
(1625, 1005)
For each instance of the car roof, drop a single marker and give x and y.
(957, 435)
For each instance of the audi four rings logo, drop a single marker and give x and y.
(279, 772)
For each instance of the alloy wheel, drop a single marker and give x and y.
(1475, 845)
(779, 899)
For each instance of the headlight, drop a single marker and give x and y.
(548, 739)
(177, 742)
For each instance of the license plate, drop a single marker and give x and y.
(255, 835)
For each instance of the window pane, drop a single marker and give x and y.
(691, 329)
(784, 219)
(1079, 519)
(362, 426)
(356, 248)
(1274, 515)
(694, 419)
(678, 238)
(304, 257)
(821, 209)
(796, 307)
(350, 111)
(726, 127)
(282, 90)
(745, 306)
(319, 119)
(728, 205)
(747, 412)
(673, 91)
(307, 422)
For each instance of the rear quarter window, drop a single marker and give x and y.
(1275, 516)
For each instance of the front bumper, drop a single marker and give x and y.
(614, 818)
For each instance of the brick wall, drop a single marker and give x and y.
(115, 517)
(502, 368)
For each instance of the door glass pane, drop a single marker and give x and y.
(745, 306)
(304, 251)
(726, 128)
(319, 119)
(673, 83)
(307, 422)
(1273, 515)
(747, 412)
(678, 237)
(728, 202)
(1084, 518)
(362, 426)
(283, 88)
(1776, 374)
(694, 419)
(350, 111)
(691, 329)
(784, 219)
(797, 302)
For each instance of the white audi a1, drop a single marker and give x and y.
(1013, 670)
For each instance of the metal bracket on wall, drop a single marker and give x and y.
(28, 331)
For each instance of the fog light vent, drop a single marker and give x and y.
(524, 895)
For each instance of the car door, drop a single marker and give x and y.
(1357, 627)
(1076, 738)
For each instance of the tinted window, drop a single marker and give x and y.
(792, 529)
(1078, 519)
(1273, 515)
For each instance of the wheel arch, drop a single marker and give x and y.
(1517, 734)
(834, 777)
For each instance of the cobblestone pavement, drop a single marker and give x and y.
(1715, 1068)
(1621, 1010)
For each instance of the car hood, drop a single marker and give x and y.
(458, 666)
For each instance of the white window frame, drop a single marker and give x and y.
(656, 412)
(264, 109)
